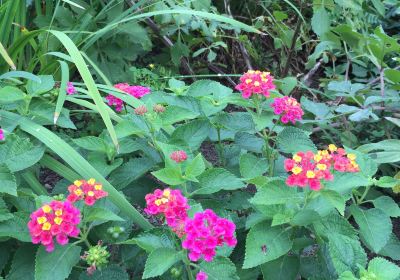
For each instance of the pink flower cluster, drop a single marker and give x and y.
(201, 276)
(202, 234)
(88, 191)
(57, 219)
(70, 88)
(289, 108)
(309, 168)
(178, 156)
(1, 135)
(135, 91)
(256, 82)
(205, 232)
(172, 204)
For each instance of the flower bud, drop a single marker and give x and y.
(178, 156)
(141, 110)
(158, 108)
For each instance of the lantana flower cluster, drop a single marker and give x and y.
(89, 191)
(308, 168)
(1, 135)
(70, 89)
(135, 91)
(178, 156)
(58, 219)
(202, 234)
(256, 82)
(289, 108)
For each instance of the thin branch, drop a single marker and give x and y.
(307, 77)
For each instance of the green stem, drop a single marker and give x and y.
(220, 147)
(363, 195)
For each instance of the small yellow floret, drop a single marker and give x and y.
(164, 200)
(78, 192)
(332, 148)
(324, 152)
(251, 71)
(157, 202)
(46, 226)
(167, 193)
(248, 81)
(41, 220)
(310, 174)
(296, 170)
(91, 181)
(78, 183)
(317, 158)
(351, 156)
(297, 158)
(354, 164)
(58, 212)
(90, 193)
(98, 187)
(256, 83)
(46, 209)
(58, 220)
(321, 166)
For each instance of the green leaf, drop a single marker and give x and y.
(4, 212)
(346, 253)
(8, 183)
(335, 199)
(276, 192)
(112, 272)
(91, 143)
(170, 175)
(347, 275)
(101, 214)
(10, 94)
(320, 21)
(392, 248)
(284, 268)
(387, 182)
(221, 268)
(216, 179)
(192, 133)
(195, 167)
(23, 265)
(293, 140)
(174, 114)
(379, 6)
(375, 227)
(153, 239)
(344, 183)
(335, 224)
(46, 84)
(43, 113)
(252, 166)
(305, 217)
(159, 261)
(385, 151)
(275, 240)
(383, 269)
(387, 205)
(19, 153)
(16, 227)
(58, 264)
(281, 218)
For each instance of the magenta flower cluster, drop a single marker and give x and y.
(289, 108)
(70, 89)
(135, 91)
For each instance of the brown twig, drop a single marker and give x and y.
(307, 77)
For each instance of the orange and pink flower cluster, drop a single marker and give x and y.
(256, 82)
(59, 220)
(88, 191)
(178, 156)
(202, 234)
(135, 91)
(308, 168)
(289, 108)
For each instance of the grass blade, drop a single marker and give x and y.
(7, 58)
(34, 183)
(20, 74)
(59, 168)
(62, 94)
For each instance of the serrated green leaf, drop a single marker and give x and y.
(216, 179)
(152, 240)
(170, 175)
(344, 183)
(293, 140)
(284, 268)
(320, 21)
(252, 166)
(174, 114)
(58, 264)
(392, 248)
(375, 227)
(23, 265)
(335, 199)
(387, 205)
(347, 275)
(383, 269)
(192, 133)
(101, 214)
(195, 167)
(7, 181)
(276, 242)
(112, 272)
(46, 84)
(16, 227)
(387, 182)
(335, 224)
(4, 212)
(220, 268)
(91, 143)
(305, 217)
(276, 192)
(159, 261)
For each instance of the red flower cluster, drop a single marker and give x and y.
(289, 108)
(201, 276)
(135, 91)
(205, 232)
(178, 156)
(256, 82)
(89, 191)
(70, 89)
(172, 204)
(309, 168)
(57, 219)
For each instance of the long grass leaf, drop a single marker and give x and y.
(89, 82)
(20, 74)
(34, 183)
(7, 58)
(62, 94)
(59, 168)
(97, 69)
(77, 162)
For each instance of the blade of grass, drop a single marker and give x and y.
(62, 93)
(59, 168)
(89, 82)
(77, 162)
(295, 8)
(7, 58)
(97, 69)
(20, 74)
(34, 183)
